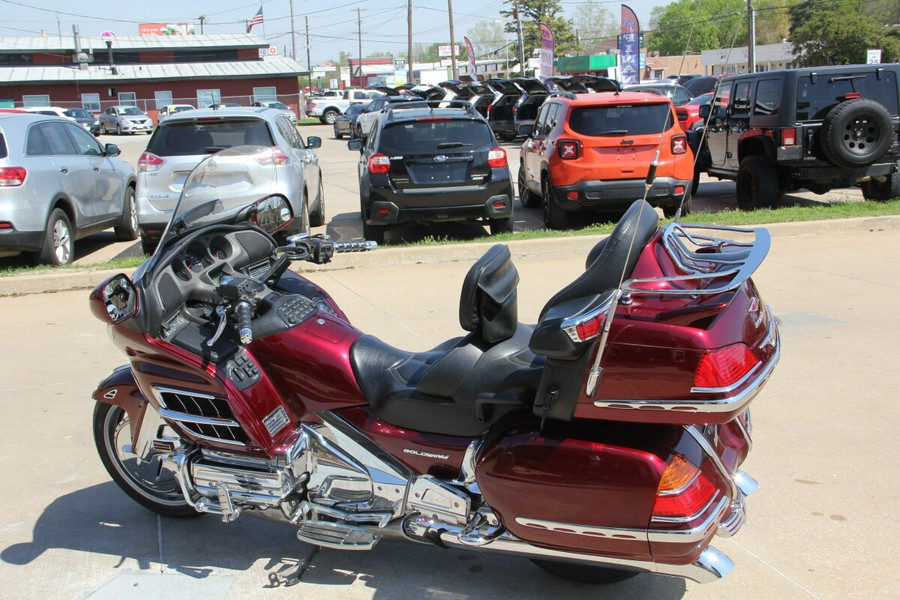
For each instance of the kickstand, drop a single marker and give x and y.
(293, 577)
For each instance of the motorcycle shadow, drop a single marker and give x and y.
(101, 520)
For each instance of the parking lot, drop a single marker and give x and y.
(342, 201)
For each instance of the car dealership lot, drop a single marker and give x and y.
(342, 201)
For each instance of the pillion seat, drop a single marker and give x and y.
(466, 384)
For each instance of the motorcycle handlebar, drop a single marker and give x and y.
(243, 312)
(355, 246)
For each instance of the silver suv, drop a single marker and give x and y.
(59, 184)
(183, 140)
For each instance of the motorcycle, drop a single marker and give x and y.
(603, 441)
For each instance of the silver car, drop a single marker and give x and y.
(59, 184)
(184, 139)
(125, 119)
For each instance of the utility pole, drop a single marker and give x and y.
(201, 18)
(751, 46)
(409, 42)
(293, 39)
(308, 59)
(359, 36)
(519, 33)
(453, 70)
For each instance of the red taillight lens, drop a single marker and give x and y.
(588, 327)
(12, 176)
(683, 490)
(497, 158)
(789, 137)
(569, 149)
(149, 163)
(852, 95)
(679, 144)
(724, 367)
(274, 158)
(379, 163)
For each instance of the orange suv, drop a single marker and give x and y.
(593, 152)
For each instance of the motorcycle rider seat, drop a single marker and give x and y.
(466, 384)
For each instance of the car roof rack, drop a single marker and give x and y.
(394, 107)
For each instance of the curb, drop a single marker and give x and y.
(87, 279)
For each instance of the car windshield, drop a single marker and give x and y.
(190, 137)
(430, 136)
(78, 113)
(621, 119)
(130, 110)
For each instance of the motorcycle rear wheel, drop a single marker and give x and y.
(147, 483)
(584, 573)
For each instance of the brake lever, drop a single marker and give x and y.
(222, 311)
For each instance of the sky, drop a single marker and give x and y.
(333, 24)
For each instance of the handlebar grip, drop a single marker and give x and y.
(355, 246)
(245, 330)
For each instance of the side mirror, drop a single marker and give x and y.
(526, 130)
(355, 144)
(272, 213)
(112, 150)
(313, 142)
(114, 300)
(704, 111)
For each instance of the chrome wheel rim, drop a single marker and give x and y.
(62, 242)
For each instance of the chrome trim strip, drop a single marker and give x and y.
(745, 483)
(728, 388)
(199, 420)
(711, 454)
(584, 530)
(745, 431)
(158, 391)
(570, 324)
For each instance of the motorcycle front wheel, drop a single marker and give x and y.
(584, 573)
(146, 482)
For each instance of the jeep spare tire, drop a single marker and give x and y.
(856, 133)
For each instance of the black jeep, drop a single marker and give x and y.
(815, 128)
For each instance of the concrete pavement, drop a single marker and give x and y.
(822, 525)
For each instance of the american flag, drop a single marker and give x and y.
(256, 20)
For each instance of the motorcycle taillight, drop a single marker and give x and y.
(683, 490)
(724, 367)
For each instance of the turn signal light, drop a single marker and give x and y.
(149, 163)
(379, 164)
(497, 158)
(724, 367)
(683, 490)
(588, 327)
(12, 176)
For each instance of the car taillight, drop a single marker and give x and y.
(497, 158)
(149, 163)
(679, 144)
(681, 114)
(724, 367)
(12, 176)
(683, 490)
(379, 163)
(789, 136)
(274, 158)
(569, 149)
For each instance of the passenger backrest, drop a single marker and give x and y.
(488, 304)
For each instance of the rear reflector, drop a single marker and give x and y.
(149, 163)
(852, 95)
(497, 158)
(5, 225)
(724, 367)
(12, 176)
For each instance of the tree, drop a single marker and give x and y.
(838, 32)
(488, 38)
(773, 21)
(593, 23)
(691, 26)
(532, 14)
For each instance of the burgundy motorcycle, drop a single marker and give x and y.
(601, 442)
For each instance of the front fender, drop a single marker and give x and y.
(120, 389)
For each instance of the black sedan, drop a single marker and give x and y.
(345, 124)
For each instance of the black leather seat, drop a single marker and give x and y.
(466, 384)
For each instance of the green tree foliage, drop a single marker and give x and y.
(692, 26)
(773, 21)
(488, 39)
(593, 23)
(839, 32)
(535, 12)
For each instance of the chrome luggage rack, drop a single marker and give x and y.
(711, 264)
